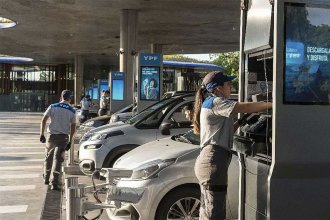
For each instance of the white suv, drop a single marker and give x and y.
(102, 146)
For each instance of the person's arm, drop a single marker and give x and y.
(250, 107)
(43, 124)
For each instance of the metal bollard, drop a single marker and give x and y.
(71, 184)
(71, 155)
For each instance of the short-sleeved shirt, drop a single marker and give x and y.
(62, 115)
(216, 124)
(104, 102)
(85, 104)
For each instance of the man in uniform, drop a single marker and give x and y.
(104, 102)
(62, 124)
(85, 104)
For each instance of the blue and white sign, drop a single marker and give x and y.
(117, 75)
(295, 52)
(117, 86)
(150, 59)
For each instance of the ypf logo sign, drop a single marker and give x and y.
(150, 59)
(117, 75)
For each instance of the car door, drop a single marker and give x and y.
(179, 123)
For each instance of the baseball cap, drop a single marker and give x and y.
(66, 94)
(214, 79)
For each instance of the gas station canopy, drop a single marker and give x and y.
(55, 31)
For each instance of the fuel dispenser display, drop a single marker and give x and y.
(150, 79)
(282, 153)
(117, 90)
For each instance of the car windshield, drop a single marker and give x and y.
(189, 137)
(149, 110)
(126, 109)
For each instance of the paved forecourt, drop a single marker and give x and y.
(22, 191)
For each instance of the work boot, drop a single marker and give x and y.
(55, 187)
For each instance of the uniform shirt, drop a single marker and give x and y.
(85, 104)
(62, 115)
(104, 102)
(216, 125)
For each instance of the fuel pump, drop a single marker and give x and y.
(117, 88)
(285, 58)
(150, 80)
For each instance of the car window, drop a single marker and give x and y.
(150, 110)
(126, 109)
(182, 116)
(155, 119)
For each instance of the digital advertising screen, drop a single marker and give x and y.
(95, 92)
(104, 87)
(117, 85)
(307, 54)
(117, 89)
(149, 86)
(89, 91)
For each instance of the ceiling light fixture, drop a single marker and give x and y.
(12, 59)
(6, 23)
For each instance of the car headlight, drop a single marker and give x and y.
(86, 137)
(151, 169)
(98, 137)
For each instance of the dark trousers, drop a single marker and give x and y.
(211, 169)
(102, 112)
(54, 157)
(84, 116)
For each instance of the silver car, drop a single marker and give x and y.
(101, 147)
(163, 184)
(121, 115)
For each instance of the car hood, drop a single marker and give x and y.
(100, 118)
(162, 149)
(104, 128)
(125, 114)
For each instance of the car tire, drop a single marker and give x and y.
(110, 163)
(115, 153)
(189, 200)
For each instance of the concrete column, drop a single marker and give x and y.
(128, 35)
(78, 79)
(156, 48)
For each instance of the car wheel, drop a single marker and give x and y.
(110, 163)
(183, 203)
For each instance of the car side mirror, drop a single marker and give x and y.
(165, 128)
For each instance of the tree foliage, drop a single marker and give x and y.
(182, 58)
(230, 63)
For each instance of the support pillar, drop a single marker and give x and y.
(7, 89)
(127, 64)
(156, 48)
(60, 78)
(78, 79)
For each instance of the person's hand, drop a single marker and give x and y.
(42, 139)
(68, 146)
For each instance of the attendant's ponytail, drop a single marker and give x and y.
(200, 97)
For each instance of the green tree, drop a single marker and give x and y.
(182, 58)
(230, 63)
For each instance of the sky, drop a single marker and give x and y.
(199, 56)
